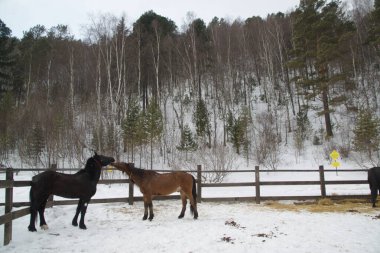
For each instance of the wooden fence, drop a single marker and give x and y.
(9, 183)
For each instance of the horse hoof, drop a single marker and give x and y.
(181, 216)
(32, 229)
(75, 224)
(83, 227)
(44, 227)
(145, 217)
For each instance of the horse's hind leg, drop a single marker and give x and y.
(41, 211)
(75, 219)
(33, 215)
(193, 206)
(184, 203)
(373, 195)
(33, 210)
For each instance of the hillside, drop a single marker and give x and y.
(271, 91)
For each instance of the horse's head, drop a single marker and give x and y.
(98, 161)
(124, 167)
(103, 160)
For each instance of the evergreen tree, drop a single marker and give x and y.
(238, 129)
(303, 125)
(367, 133)
(37, 143)
(131, 125)
(202, 121)
(7, 138)
(187, 142)
(321, 33)
(8, 83)
(8, 57)
(374, 30)
(153, 125)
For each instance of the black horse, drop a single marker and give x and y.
(80, 185)
(374, 183)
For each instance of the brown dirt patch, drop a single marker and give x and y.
(324, 205)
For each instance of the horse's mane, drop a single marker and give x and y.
(137, 171)
(90, 168)
(140, 172)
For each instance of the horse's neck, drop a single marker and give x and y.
(139, 175)
(137, 179)
(94, 174)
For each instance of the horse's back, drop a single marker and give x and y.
(46, 175)
(167, 183)
(64, 185)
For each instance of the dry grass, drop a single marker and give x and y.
(324, 205)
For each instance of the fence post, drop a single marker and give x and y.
(199, 185)
(50, 200)
(131, 188)
(257, 184)
(322, 179)
(8, 207)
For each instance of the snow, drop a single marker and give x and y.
(221, 227)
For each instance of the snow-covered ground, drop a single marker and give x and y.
(221, 227)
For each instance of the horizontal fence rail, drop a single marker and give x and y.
(9, 183)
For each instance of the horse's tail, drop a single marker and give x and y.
(31, 195)
(32, 199)
(194, 192)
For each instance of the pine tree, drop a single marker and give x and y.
(303, 124)
(131, 125)
(8, 57)
(153, 125)
(37, 143)
(374, 30)
(238, 129)
(202, 121)
(321, 33)
(367, 133)
(187, 142)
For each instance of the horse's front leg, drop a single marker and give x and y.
(79, 207)
(82, 214)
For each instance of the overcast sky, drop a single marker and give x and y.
(21, 15)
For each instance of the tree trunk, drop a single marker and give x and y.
(326, 111)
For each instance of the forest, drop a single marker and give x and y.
(153, 92)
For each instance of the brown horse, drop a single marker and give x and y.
(152, 184)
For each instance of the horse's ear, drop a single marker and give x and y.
(96, 154)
